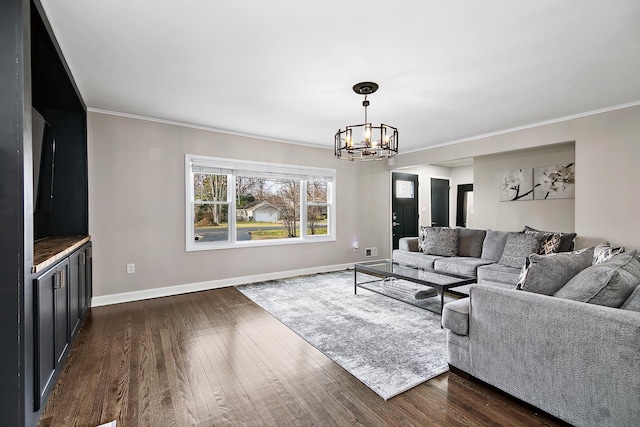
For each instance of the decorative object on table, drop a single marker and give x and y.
(407, 289)
(371, 142)
(516, 185)
(555, 182)
(388, 345)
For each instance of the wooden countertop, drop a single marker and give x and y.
(50, 250)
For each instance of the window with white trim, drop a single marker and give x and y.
(236, 203)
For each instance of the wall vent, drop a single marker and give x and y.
(368, 252)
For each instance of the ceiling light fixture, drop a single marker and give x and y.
(376, 142)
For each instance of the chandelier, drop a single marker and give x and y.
(374, 142)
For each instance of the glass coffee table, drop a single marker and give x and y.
(438, 280)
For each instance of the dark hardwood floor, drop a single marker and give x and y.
(215, 358)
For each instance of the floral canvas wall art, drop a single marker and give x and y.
(516, 185)
(555, 182)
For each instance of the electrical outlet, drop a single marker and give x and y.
(131, 268)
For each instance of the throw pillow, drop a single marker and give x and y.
(422, 236)
(493, 244)
(470, 242)
(546, 274)
(609, 283)
(633, 302)
(518, 247)
(604, 252)
(549, 242)
(566, 239)
(441, 241)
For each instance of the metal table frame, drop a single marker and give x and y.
(370, 269)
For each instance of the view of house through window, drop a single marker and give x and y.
(233, 202)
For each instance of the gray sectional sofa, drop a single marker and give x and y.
(556, 328)
(574, 354)
(493, 257)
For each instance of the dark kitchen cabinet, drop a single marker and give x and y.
(62, 299)
(51, 327)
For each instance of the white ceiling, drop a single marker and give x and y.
(283, 69)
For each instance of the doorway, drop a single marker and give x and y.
(464, 205)
(404, 206)
(439, 202)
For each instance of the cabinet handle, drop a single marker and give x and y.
(58, 280)
(82, 260)
(89, 252)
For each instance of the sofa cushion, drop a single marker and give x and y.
(416, 259)
(466, 266)
(440, 241)
(566, 239)
(498, 273)
(604, 252)
(409, 244)
(633, 302)
(455, 316)
(609, 283)
(518, 247)
(493, 244)
(470, 242)
(546, 274)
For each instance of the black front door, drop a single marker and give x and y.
(439, 202)
(404, 206)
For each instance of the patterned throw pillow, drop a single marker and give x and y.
(422, 238)
(604, 252)
(549, 242)
(566, 239)
(519, 246)
(440, 241)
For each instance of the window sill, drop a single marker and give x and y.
(211, 246)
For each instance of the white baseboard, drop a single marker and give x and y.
(212, 284)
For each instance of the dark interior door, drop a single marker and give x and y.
(439, 202)
(404, 206)
(462, 207)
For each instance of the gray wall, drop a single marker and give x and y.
(137, 213)
(556, 215)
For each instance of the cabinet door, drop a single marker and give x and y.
(44, 345)
(76, 283)
(88, 284)
(61, 303)
(51, 327)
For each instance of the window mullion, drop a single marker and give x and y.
(231, 198)
(303, 209)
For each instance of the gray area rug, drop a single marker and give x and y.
(388, 345)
